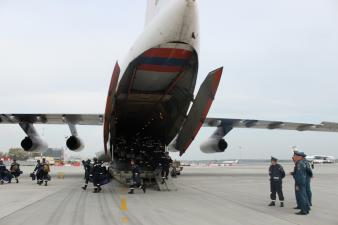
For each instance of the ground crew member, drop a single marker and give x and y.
(300, 177)
(308, 181)
(136, 178)
(15, 170)
(45, 171)
(87, 168)
(2, 172)
(96, 176)
(296, 193)
(165, 165)
(276, 173)
(38, 172)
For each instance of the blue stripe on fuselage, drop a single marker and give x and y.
(162, 61)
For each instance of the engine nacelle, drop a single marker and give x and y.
(74, 144)
(30, 144)
(214, 145)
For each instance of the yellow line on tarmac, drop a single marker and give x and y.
(123, 204)
(124, 219)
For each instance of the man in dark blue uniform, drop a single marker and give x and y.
(96, 175)
(300, 176)
(136, 178)
(165, 165)
(2, 172)
(87, 168)
(45, 171)
(276, 173)
(296, 193)
(308, 181)
(15, 170)
(39, 173)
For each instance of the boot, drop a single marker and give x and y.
(301, 213)
(99, 189)
(84, 187)
(95, 190)
(144, 188)
(17, 180)
(282, 204)
(45, 183)
(131, 191)
(272, 203)
(40, 182)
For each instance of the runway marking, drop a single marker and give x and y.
(123, 204)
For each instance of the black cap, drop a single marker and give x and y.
(273, 158)
(302, 154)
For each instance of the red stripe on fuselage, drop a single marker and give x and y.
(168, 53)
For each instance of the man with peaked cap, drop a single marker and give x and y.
(276, 173)
(300, 175)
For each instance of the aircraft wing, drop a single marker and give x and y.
(270, 125)
(81, 119)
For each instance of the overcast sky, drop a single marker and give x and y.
(280, 62)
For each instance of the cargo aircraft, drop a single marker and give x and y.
(151, 107)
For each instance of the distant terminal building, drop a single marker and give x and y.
(56, 153)
(55, 156)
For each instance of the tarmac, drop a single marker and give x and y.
(218, 195)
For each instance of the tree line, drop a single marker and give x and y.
(15, 153)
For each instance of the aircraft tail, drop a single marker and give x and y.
(153, 8)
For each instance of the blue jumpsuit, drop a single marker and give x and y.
(296, 192)
(308, 181)
(300, 180)
(2, 172)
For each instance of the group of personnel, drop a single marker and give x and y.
(96, 173)
(302, 175)
(41, 172)
(13, 173)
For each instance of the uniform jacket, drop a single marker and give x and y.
(135, 170)
(87, 168)
(300, 173)
(165, 161)
(2, 168)
(96, 169)
(308, 169)
(276, 172)
(38, 167)
(15, 167)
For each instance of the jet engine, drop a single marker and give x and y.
(30, 144)
(214, 145)
(74, 144)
